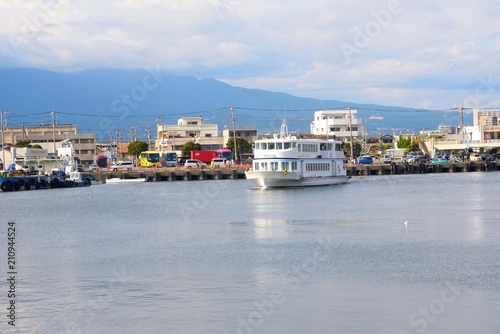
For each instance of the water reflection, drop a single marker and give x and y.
(270, 228)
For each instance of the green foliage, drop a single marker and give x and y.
(188, 147)
(356, 149)
(23, 143)
(241, 144)
(413, 147)
(35, 146)
(404, 142)
(136, 147)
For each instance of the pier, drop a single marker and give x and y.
(172, 174)
(409, 168)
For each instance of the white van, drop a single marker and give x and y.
(220, 163)
(123, 165)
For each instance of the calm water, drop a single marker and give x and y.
(223, 257)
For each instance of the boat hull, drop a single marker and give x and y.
(278, 179)
(118, 180)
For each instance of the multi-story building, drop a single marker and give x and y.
(173, 137)
(249, 133)
(50, 137)
(342, 124)
(488, 125)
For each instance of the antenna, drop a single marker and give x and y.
(284, 129)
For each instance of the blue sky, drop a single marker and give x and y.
(422, 54)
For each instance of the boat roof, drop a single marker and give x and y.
(297, 140)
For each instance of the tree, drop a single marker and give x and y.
(241, 144)
(136, 147)
(35, 146)
(404, 142)
(188, 147)
(413, 147)
(356, 149)
(23, 143)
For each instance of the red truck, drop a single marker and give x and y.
(203, 156)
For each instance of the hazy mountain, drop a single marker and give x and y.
(104, 100)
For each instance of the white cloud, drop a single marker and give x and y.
(400, 51)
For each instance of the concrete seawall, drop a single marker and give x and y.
(406, 168)
(172, 174)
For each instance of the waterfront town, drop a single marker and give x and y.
(27, 143)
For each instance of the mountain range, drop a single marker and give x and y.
(104, 101)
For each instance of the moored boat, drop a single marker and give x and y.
(115, 180)
(287, 161)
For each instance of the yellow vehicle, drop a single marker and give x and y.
(150, 159)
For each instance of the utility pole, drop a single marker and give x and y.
(160, 143)
(461, 110)
(133, 134)
(234, 134)
(350, 128)
(3, 123)
(54, 132)
(148, 132)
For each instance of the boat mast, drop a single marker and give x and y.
(283, 129)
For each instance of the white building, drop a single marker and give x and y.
(173, 137)
(338, 123)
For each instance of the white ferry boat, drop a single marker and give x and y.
(287, 161)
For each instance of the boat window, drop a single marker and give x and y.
(338, 147)
(264, 146)
(263, 165)
(286, 146)
(257, 146)
(285, 165)
(310, 147)
(330, 146)
(299, 147)
(322, 147)
(294, 165)
(270, 146)
(279, 146)
(274, 165)
(256, 166)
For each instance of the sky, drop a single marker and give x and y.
(418, 54)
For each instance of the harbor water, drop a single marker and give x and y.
(381, 254)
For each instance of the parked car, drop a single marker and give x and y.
(412, 155)
(93, 168)
(439, 161)
(496, 156)
(220, 163)
(421, 159)
(386, 159)
(487, 157)
(366, 160)
(475, 157)
(79, 167)
(123, 165)
(192, 163)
